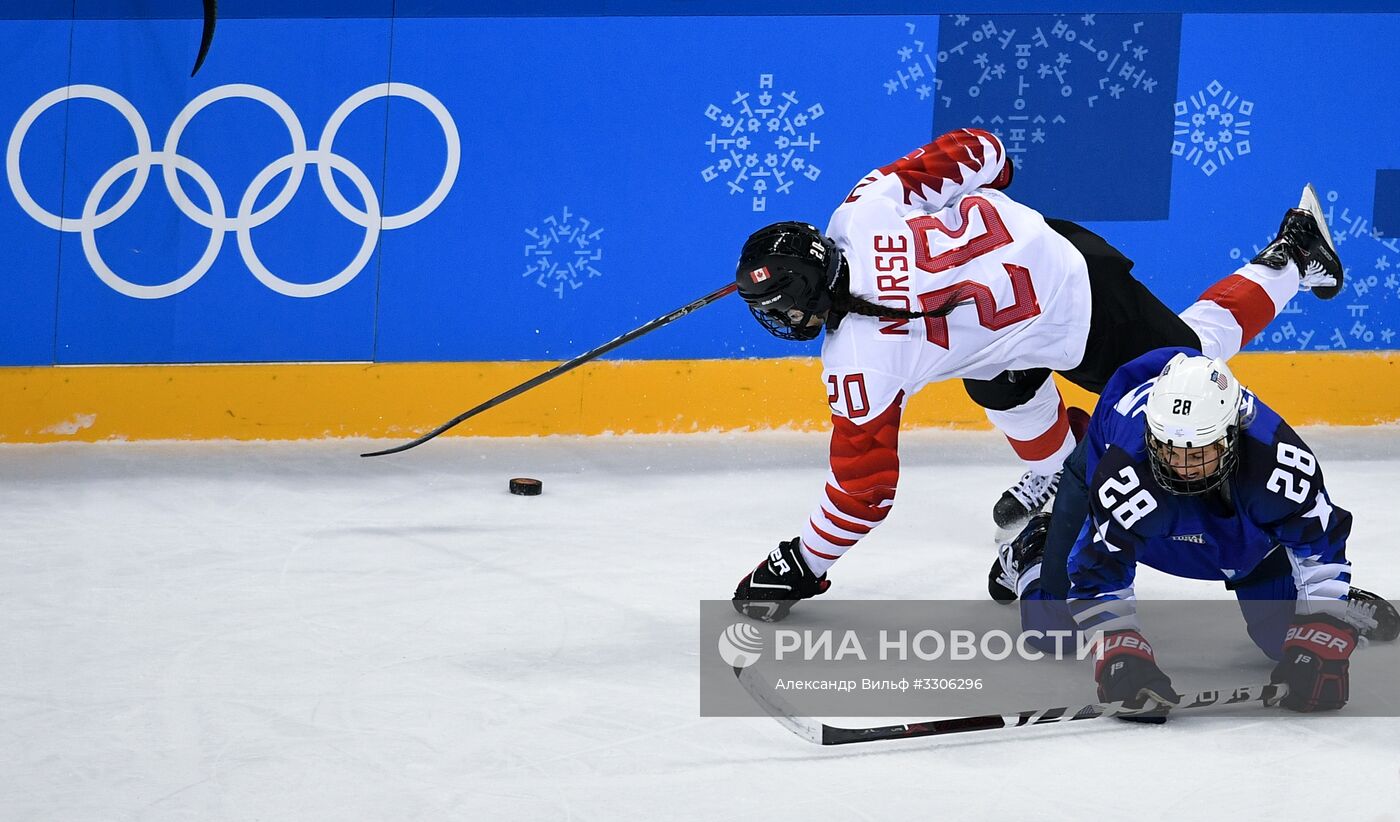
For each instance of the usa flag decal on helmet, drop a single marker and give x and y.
(1221, 381)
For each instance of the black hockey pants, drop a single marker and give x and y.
(1126, 321)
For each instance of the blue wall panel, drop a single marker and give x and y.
(227, 314)
(545, 183)
(33, 61)
(613, 158)
(1387, 202)
(1327, 123)
(1069, 94)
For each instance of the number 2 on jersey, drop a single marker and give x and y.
(853, 387)
(1116, 495)
(1290, 478)
(994, 236)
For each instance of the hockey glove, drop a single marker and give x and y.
(769, 591)
(1127, 672)
(1315, 663)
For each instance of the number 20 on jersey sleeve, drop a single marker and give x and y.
(851, 388)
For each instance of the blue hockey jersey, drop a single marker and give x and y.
(1275, 499)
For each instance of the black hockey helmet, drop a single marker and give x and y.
(787, 274)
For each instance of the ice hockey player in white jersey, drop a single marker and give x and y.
(929, 271)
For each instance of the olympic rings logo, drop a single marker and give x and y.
(246, 218)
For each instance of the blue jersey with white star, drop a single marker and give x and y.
(1275, 498)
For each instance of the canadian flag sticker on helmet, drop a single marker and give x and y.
(759, 274)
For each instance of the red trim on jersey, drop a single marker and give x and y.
(942, 161)
(1045, 445)
(865, 463)
(849, 505)
(1247, 302)
(832, 557)
(845, 524)
(838, 541)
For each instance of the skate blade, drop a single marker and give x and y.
(1006, 535)
(1311, 204)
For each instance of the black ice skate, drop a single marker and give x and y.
(780, 580)
(1020, 502)
(1380, 622)
(1033, 491)
(1014, 557)
(1304, 238)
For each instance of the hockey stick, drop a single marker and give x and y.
(823, 734)
(562, 368)
(206, 38)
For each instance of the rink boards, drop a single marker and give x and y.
(400, 400)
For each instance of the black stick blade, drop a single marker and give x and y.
(211, 14)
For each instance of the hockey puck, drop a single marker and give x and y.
(526, 487)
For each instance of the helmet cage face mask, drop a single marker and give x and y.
(793, 324)
(1167, 459)
(786, 274)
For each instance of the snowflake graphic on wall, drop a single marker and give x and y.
(562, 252)
(1212, 128)
(1058, 89)
(916, 67)
(1363, 314)
(1027, 75)
(764, 142)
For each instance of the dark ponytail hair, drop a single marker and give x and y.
(847, 303)
(843, 302)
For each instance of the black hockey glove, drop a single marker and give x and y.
(769, 591)
(1315, 663)
(1127, 672)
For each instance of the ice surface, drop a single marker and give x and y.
(290, 632)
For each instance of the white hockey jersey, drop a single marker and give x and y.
(929, 230)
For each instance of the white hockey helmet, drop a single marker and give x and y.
(1195, 404)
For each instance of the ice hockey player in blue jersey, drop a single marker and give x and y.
(1185, 471)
